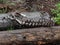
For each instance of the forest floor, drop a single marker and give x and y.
(32, 36)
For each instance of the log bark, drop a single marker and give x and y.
(34, 36)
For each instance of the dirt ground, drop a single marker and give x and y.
(33, 36)
(35, 5)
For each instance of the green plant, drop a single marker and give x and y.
(10, 28)
(3, 1)
(56, 12)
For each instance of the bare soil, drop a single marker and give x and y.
(32, 36)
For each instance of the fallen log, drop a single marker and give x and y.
(33, 36)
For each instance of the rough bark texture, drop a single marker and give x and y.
(33, 36)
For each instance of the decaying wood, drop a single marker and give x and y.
(34, 36)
